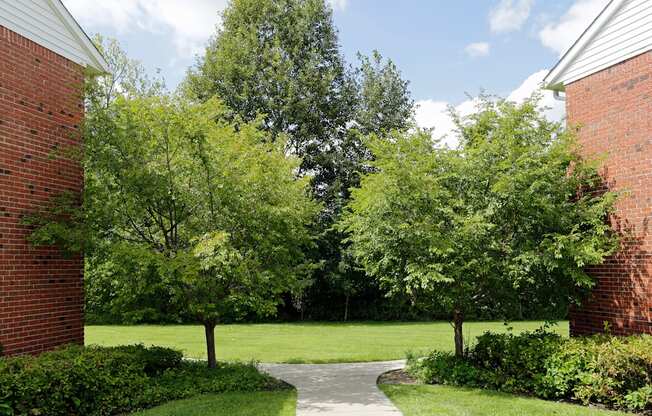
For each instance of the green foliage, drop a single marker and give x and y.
(602, 369)
(125, 78)
(195, 378)
(280, 62)
(155, 359)
(211, 212)
(514, 362)
(124, 288)
(640, 399)
(507, 362)
(384, 103)
(489, 224)
(613, 371)
(443, 367)
(98, 381)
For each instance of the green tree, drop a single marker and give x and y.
(215, 208)
(384, 102)
(126, 77)
(506, 214)
(281, 59)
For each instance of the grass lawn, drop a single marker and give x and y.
(278, 403)
(453, 401)
(305, 342)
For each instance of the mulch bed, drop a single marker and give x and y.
(396, 377)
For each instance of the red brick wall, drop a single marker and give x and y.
(41, 292)
(613, 109)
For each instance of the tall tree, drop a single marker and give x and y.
(281, 59)
(126, 77)
(384, 102)
(503, 216)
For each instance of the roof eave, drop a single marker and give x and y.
(555, 78)
(96, 61)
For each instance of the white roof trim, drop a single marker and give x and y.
(95, 58)
(554, 80)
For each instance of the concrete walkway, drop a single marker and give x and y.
(337, 389)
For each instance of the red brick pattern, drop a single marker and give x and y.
(41, 292)
(613, 109)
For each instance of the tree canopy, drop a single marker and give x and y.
(216, 211)
(501, 218)
(281, 60)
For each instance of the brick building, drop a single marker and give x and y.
(606, 78)
(43, 56)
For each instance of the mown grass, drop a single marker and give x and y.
(276, 403)
(303, 342)
(455, 401)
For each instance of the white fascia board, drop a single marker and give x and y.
(555, 79)
(95, 58)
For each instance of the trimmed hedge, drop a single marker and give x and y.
(613, 371)
(97, 381)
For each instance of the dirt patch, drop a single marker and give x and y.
(396, 377)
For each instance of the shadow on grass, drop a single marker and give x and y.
(273, 403)
(448, 401)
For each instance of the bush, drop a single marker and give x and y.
(98, 381)
(602, 369)
(445, 368)
(515, 362)
(614, 371)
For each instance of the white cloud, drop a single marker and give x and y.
(509, 15)
(191, 22)
(435, 115)
(559, 36)
(553, 109)
(477, 49)
(338, 4)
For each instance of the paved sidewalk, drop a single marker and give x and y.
(337, 389)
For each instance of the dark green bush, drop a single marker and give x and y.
(445, 368)
(515, 362)
(615, 371)
(98, 381)
(155, 359)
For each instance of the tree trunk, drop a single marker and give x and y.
(209, 328)
(346, 309)
(458, 320)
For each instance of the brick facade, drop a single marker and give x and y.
(613, 109)
(41, 292)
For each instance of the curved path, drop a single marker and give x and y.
(337, 389)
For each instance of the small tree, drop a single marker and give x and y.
(216, 209)
(501, 216)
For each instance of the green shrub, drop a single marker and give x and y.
(615, 371)
(155, 359)
(445, 368)
(601, 369)
(640, 399)
(196, 378)
(516, 362)
(98, 381)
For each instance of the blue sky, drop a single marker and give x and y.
(446, 48)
